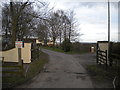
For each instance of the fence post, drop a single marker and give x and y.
(22, 68)
(2, 60)
(106, 58)
(110, 60)
(97, 56)
(110, 51)
(19, 56)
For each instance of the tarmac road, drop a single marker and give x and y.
(62, 71)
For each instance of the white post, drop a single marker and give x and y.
(19, 56)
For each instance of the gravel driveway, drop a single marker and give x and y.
(62, 71)
(86, 59)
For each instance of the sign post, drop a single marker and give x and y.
(19, 56)
(19, 45)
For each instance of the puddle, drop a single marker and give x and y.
(47, 71)
(83, 77)
(79, 75)
(74, 72)
(51, 79)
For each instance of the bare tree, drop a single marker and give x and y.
(21, 19)
(15, 14)
(26, 18)
(72, 26)
(6, 20)
(54, 26)
(42, 19)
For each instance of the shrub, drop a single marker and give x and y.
(66, 45)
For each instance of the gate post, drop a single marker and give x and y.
(97, 54)
(19, 56)
(106, 58)
(97, 57)
(22, 68)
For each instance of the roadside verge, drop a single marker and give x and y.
(34, 68)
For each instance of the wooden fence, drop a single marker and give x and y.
(102, 57)
(16, 70)
(12, 70)
(114, 59)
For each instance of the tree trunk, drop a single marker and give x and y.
(65, 32)
(45, 40)
(13, 25)
(14, 16)
(60, 37)
(54, 39)
(70, 32)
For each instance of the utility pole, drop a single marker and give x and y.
(108, 31)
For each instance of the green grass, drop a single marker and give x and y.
(9, 82)
(34, 68)
(60, 50)
(37, 65)
(100, 73)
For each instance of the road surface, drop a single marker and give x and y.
(62, 71)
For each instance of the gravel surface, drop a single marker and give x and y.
(86, 59)
(62, 71)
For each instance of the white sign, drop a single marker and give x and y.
(19, 44)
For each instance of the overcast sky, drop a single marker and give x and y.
(92, 18)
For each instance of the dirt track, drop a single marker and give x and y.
(62, 71)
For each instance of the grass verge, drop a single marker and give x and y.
(100, 73)
(100, 76)
(34, 68)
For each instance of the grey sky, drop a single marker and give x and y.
(92, 18)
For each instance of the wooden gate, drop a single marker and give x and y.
(102, 57)
(12, 69)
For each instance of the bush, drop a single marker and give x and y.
(82, 47)
(76, 47)
(114, 47)
(66, 45)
